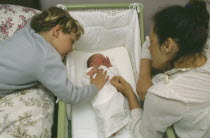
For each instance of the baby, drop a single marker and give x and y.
(110, 106)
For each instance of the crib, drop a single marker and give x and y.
(133, 52)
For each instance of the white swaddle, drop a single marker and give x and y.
(110, 106)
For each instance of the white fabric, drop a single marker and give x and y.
(83, 117)
(179, 97)
(104, 32)
(145, 53)
(110, 107)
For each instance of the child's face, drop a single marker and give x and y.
(98, 60)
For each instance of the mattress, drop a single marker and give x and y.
(82, 115)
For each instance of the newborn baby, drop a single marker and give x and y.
(110, 106)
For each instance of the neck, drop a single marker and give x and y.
(193, 61)
(47, 37)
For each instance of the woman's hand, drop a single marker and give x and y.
(125, 88)
(122, 85)
(100, 79)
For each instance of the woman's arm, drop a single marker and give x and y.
(159, 113)
(145, 69)
(145, 80)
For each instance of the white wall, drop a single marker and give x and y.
(151, 6)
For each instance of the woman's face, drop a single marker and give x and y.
(160, 56)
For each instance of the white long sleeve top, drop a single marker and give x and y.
(179, 97)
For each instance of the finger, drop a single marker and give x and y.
(107, 78)
(100, 70)
(91, 78)
(121, 79)
(104, 74)
(115, 84)
(113, 78)
(99, 75)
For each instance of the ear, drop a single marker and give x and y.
(57, 30)
(168, 46)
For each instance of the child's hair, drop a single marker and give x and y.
(188, 26)
(90, 59)
(53, 16)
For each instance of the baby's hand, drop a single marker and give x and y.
(107, 62)
(92, 71)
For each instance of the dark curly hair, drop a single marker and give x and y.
(188, 26)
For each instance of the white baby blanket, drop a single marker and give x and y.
(110, 107)
(83, 117)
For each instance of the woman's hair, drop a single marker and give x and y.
(53, 16)
(188, 26)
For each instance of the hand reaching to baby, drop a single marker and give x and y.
(100, 79)
(122, 85)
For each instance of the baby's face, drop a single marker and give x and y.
(98, 60)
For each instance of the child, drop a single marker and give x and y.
(110, 106)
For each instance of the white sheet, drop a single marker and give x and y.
(83, 116)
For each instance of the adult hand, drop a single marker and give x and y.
(100, 79)
(125, 88)
(122, 85)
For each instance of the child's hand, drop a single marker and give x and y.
(100, 79)
(92, 71)
(107, 62)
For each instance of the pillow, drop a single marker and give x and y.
(13, 18)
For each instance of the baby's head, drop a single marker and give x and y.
(96, 60)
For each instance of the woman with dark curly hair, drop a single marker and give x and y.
(181, 95)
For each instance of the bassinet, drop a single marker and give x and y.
(110, 9)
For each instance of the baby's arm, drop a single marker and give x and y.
(86, 76)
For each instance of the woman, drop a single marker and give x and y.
(34, 54)
(181, 95)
